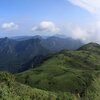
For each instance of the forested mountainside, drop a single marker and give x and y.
(75, 72)
(16, 53)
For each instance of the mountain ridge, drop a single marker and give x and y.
(16, 53)
(76, 72)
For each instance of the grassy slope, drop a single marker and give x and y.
(12, 90)
(68, 71)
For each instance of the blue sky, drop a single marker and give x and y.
(31, 17)
(38, 10)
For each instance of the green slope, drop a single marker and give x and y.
(12, 90)
(68, 71)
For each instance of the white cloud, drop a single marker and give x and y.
(46, 26)
(9, 26)
(77, 32)
(90, 33)
(92, 6)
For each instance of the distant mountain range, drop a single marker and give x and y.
(17, 52)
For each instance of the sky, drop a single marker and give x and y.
(78, 19)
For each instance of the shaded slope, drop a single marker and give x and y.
(55, 44)
(15, 54)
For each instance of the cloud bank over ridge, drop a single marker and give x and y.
(90, 32)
